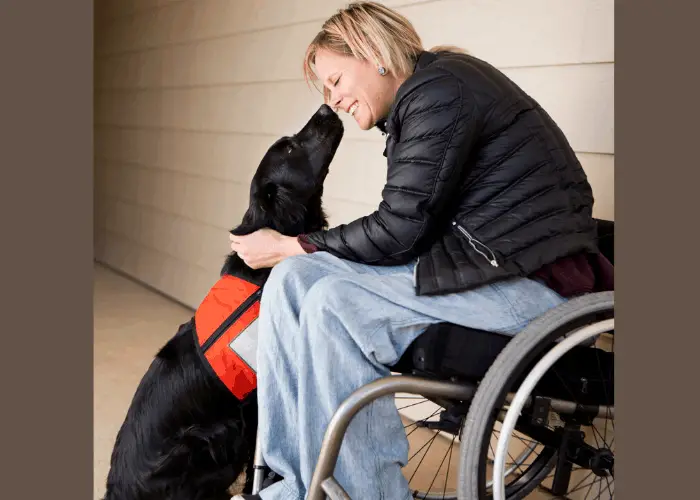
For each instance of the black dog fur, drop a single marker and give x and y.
(185, 436)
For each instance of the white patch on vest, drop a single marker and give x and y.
(245, 345)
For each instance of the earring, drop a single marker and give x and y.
(382, 70)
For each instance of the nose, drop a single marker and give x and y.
(333, 101)
(325, 110)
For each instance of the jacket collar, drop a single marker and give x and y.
(381, 125)
(424, 59)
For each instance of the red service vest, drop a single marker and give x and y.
(226, 330)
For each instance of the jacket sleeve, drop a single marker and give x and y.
(437, 125)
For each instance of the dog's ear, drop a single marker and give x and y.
(253, 219)
(287, 213)
(273, 207)
(259, 211)
(267, 197)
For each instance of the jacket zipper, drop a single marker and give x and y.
(231, 320)
(415, 273)
(473, 241)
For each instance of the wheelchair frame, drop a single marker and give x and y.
(323, 484)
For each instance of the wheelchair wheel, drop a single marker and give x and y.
(432, 470)
(568, 411)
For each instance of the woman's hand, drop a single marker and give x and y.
(264, 248)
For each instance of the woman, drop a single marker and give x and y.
(485, 222)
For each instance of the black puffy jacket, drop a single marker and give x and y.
(481, 185)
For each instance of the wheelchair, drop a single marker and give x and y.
(533, 413)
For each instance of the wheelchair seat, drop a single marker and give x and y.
(446, 350)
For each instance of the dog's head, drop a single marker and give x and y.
(285, 194)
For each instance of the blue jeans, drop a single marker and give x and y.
(329, 326)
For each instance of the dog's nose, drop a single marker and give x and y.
(325, 110)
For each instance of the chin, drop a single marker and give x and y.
(364, 124)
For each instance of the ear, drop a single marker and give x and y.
(286, 213)
(267, 197)
(243, 229)
(253, 219)
(258, 214)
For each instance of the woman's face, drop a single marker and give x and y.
(356, 87)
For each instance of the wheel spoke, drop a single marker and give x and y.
(589, 488)
(605, 443)
(429, 443)
(414, 404)
(573, 396)
(607, 481)
(417, 422)
(579, 487)
(594, 436)
(605, 392)
(447, 475)
(509, 455)
(438, 471)
(529, 444)
(517, 465)
(576, 488)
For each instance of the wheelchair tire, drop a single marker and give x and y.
(509, 367)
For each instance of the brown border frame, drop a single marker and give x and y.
(656, 83)
(46, 212)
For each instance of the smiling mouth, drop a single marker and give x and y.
(353, 108)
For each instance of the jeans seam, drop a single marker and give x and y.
(370, 419)
(515, 315)
(370, 409)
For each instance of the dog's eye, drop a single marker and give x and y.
(290, 149)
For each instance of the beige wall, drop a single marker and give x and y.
(190, 93)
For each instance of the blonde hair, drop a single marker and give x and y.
(370, 32)
(449, 48)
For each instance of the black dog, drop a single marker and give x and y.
(186, 437)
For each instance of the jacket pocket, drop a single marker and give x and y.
(481, 249)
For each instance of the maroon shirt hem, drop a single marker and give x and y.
(578, 274)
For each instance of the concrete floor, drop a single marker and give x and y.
(131, 324)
